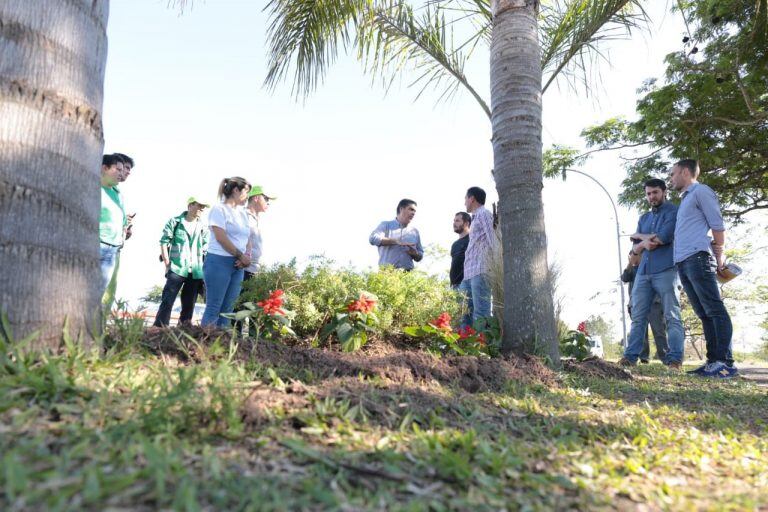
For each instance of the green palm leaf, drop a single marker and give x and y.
(394, 39)
(572, 32)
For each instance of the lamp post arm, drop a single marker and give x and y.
(618, 248)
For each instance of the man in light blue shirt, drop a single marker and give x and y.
(699, 260)
(399, 243)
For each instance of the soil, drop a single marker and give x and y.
(595, 367)
(391, 361)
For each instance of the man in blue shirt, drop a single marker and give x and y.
(656, 274)
(699, 259)
(399, 243)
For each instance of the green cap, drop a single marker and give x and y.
(192, 199)
(257, 190)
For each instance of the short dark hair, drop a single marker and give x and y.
(110, 160)
(125, 159)
(690, 164)
(405, 203)
(467, 218)
(477, 193)
(655, 183)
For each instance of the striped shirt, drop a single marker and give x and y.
(482, 241)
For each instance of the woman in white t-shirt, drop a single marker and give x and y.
(228, 251)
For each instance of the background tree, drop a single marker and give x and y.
(530, 44)
(52, 60)
(712, 106)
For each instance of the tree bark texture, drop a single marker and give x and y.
(528, 322)
(52, 60)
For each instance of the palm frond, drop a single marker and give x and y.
(306, 35)
(396, 40)
(572, 32)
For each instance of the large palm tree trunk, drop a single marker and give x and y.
(52, 59)
(528, 324)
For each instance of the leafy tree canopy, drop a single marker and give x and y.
(712, 106)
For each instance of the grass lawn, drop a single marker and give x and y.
(191, 423)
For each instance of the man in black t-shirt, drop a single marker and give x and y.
(461, 222)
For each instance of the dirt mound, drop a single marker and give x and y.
(381, 360)
(595, 367)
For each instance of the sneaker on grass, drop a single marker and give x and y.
(719, 370)
(698, 371)
(626, 362)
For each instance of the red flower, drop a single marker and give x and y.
(481, 338)
(582, 328)
(466, 331)
(273, 304)
(364, 304)
(443, 322)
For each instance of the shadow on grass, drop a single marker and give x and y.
(737, 405)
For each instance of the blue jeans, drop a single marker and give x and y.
(108, 260)
(644, 289)
(697, 273)
(222, 283)
(659, 329)
(477, 290)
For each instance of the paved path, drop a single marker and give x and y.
(758, 374)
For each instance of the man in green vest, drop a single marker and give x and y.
(182, 247)
(112, 220)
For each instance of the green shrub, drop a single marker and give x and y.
(576, 345)
(317, 292)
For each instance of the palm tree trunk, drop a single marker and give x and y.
(528, 323)
(52, 59)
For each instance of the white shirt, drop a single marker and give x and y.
(190, 227)
(234, 221)
(255, 240)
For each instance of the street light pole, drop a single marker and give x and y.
(618, 247)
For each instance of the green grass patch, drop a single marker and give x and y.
(133, 429)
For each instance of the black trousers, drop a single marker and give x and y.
(189, 287)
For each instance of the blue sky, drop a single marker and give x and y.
(184, 96)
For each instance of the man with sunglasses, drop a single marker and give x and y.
(258, 203)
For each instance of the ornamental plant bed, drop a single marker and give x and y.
(379, 360)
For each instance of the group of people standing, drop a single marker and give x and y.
(213, 259)
(399, 245)
(671, 247)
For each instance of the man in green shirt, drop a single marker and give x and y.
(109, 294)
(112, 220)
(182, 247)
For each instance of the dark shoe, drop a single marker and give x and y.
(719, 370)
(697, 371)
(674, 365)
(644, 361)
(626, 362)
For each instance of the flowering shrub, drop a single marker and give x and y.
(576, 343)
(352, 322)
(441, 338)
(316, 292)
(267, 318)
